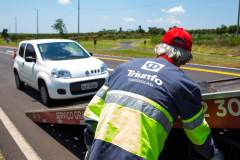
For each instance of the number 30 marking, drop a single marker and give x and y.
(229, 109)
(224, 108)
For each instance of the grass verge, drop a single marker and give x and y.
(4, 43)
(1, 156)
(228, 56)
(103, 44)
(203, 54)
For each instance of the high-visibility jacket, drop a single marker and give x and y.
(137, 107)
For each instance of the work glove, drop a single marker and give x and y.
(89, 133)
(88, 138)
(209, 150)
(217, 155)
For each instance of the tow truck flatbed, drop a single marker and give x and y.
(221, 101)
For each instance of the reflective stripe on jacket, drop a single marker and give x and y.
(137, 107)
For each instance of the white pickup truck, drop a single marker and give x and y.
(58, 69)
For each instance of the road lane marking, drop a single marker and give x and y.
(113, 59)
(110, 69)
(212, 71)
(22, 143)
(10, 52)
(204, 65)
(186, 68)
(7, 53)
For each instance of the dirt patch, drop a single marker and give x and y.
(125, 45)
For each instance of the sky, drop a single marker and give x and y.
(95, 15)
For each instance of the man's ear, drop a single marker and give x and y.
(183, 59)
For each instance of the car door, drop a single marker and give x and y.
(20, 60)
(28, 67)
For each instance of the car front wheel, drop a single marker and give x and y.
(45, 99)
(19, 83)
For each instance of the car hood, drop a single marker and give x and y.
(77, 67)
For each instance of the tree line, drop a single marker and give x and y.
(223, 29)
(113, 34)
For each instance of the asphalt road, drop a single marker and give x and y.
(47, 141)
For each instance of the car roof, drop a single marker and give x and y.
(40, 41)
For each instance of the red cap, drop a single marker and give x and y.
(178, 37)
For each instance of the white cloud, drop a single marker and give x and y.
(171, 20)
(64, 2)
(129, 19)
(175, 10)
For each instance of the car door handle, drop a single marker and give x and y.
(22, 63)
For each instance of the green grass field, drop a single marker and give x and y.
(4, 43)
(103, 44)
(228, 56)
(212, 54)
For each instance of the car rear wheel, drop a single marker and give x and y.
(45, 99)
(19, 83)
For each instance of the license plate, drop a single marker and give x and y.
(88, 86)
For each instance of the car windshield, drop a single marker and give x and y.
(61, 51)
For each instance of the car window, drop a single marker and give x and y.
(62, 51)
(21, 49)
(30, 51)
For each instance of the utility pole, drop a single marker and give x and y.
(78, 18)
(37, 23)
(9, 28)
(15, 24)
(238, 18)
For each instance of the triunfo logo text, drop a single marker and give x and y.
(144, 78)
(152, 66)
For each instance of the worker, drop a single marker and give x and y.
(133, 113)
(95, 43)
(14, 53)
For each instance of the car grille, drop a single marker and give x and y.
(95, 71)
(77, 87)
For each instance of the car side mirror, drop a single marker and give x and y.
(91, 53)
(30, 59)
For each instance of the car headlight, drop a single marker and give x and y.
(61, 73)
(104, 68)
